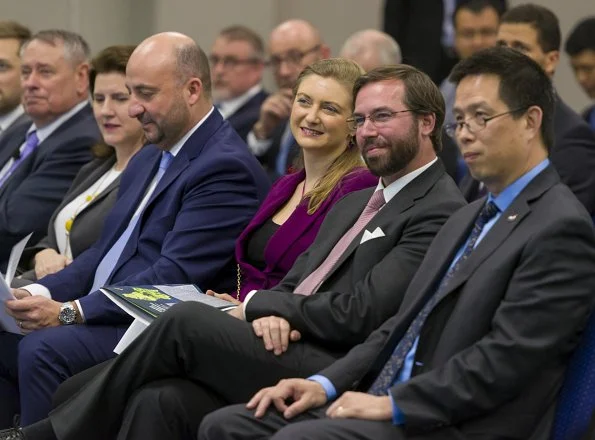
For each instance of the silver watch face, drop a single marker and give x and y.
(67, 314)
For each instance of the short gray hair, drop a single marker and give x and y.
(76, 49)
(388, 50)
(193, 62)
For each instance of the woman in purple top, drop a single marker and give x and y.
(290, 216)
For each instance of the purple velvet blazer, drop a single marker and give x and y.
(296, 234)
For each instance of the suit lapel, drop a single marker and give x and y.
(510, 219)
(132, 196)
(349, 219)
(400, 203)
(93, 177)
(191, 149)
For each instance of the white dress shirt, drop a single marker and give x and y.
(230, 106)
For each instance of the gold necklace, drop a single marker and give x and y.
(86, 201)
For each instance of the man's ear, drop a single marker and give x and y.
(82, 78)
(534, 118)
(552, 58)
(427, 122)
(194, 90)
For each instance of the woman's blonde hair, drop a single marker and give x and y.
(345, 72)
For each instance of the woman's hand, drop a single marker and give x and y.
(48, 261)
(224, 296)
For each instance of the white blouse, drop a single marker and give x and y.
(69, 212)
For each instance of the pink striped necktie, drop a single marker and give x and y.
(313, 281)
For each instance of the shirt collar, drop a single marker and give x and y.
(8, 119)
(178, 145)
(44, 132)
(507, 196)
(393, 189)
(230, 106)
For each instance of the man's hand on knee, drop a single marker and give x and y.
(276, 333)
(302, 394)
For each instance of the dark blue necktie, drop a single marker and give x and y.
(387, 376)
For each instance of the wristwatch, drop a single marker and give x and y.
(67, 315)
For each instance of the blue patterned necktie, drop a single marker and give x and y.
(30, 145)
(387, 376)
(108, 262)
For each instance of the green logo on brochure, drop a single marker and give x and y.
(146, 294)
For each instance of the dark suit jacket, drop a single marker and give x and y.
(492, 353)
(295, 235)
(587, 114)
(572, 155)
(358, 294)
(87, 225)
(31, 194)
(187, 231)
(23, 119)
(269, 159)
(246, 116)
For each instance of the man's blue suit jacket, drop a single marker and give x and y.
(187, 231)
(244, 118)
(35, 189)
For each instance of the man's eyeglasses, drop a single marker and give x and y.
(378, 119)
(293, 57)
(475, 123)
(231, 62)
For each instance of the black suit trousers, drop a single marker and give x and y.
(237, 422)
(192, 342)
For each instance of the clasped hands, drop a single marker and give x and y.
(275, 332)
(307, 394)
(32, 312)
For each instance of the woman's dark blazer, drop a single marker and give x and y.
(88, 224)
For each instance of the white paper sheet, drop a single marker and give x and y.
(7, 322)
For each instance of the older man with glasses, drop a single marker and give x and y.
(293, 45)
(237, 64)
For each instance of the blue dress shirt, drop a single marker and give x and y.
(502, 201)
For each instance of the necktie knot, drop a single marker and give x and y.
(32, 140)
(487, 213)
(377, 201)
(166, 158)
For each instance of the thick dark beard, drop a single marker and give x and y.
(402, 152)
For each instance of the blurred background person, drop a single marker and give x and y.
(293, 45)
(77, 222)
(371, 48)
(12, 37)
(42, 157)
(475, 26)
(580, 47)
(424, 30)
(289, 218)
(237, 65)
(534, 31)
